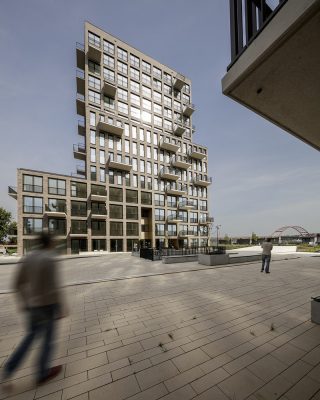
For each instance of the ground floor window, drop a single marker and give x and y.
(78, 245)
(132, 244)
(99, 245)
(116, 245)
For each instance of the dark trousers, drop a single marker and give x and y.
(40, 321)
(265, 262)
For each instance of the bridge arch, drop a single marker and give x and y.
(278, 232)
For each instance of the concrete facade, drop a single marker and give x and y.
(140, 180)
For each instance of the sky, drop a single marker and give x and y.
(263, 178)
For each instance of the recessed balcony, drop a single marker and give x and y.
(12, 192)
(80, 56)
(203, 180)
(119, 163)
(94, 53)
(79, 151)
(180, 161)
(166, 144)
(187, 233)
(80, 82)
(174, 219)
(109, 88)
(188, 109)
(111, 127)
(81, 109)
(179, 128)
(186, 205)
(205, 220)
(198, 155)
(169, 173)
(179, 81)
(176, 189)
(57, 212)
(99, 213)
(81, 128)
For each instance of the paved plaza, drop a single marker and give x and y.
(214, 333)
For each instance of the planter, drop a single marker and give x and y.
(213, 259)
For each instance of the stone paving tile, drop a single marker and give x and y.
(190, 359)
(86, 386)
(288, 354)
(85, 364)
(183, 379)
(156, 374)
(209, 380)
(241, 384)
(296, 371)
(124, 351)
(118, 390)
(154, 393)
(60, 384)
(267, 367)
(184, 393)
(303, 390)
(213, 393)
(130, 369)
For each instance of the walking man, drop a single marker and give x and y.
(37, 285)
(266, 255)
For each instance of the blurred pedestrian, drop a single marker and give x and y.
(37, 285)
(266, 255)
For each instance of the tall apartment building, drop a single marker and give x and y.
(140, 179)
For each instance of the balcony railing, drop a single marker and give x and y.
(109, 87)
(81, 128)
(176, 188)
(167, 144)
(202, 180)
(79, 151)
(81, 104)
(80, 55)
(12, 192)
(187, 232)
(120, 163)
(246, 23)
(33, 209)
(186, 204)
(205, 220)
(169, 173)
(111, 126)
(175, 218)
(179, 81)
(58, 209)
(180, 161)
(188, 109)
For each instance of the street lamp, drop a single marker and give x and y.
(217, 228)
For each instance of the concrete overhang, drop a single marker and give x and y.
(278, 74)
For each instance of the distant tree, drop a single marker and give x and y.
(254, 238)
(226, 238)
(12, 231)
(5, 220)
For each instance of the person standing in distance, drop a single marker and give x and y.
(266, 255)
(37, 285)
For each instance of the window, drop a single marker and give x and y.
(107, 60)
(134, 86)
(172, 230)
(176, 105)
(122, 54)
(98, 190)
(108, 75)
(157, 72)
(57, 226)
(168, 112)
(157, 121)
(57, 186)
(135, 99)
(167, 101)
(94, 82)
(135, 164)
(157, 84)
(108, 102)
(135, 181)
(98, 208)
(146, 104)
(122, 107)
(115, 194)
(122, 80)
(108, 47)
(146, 79)
(167, 77)
(32, 205)
(78, 189)
(57, 205)
(149, 167)
(146, 91)
(122, 94)
(142, 182)
(115, 211)
(171, 201)
(116, 228)
(102, 175)
(92, 118)
(134, 73)
(157, 96)
(94, 97)
(127, 146)
(146, 198)
(93, 173)
(159, 214)
(79, 226)
(98, 227)
(166, 89)
(157, 108)
(78, 208)
(135, 61)
(193, 217)
(146, 67)
(135, 112)
(32, 183)
(102, 157)
(131, 196)
(92, 155)
(155, 139)
(186, 98)
(132, 229)
(187, 88)
(159, 229)
(159, 199)
(94, 68)
(92, 137)
(94, 39)
(126, 130)
(32, 226)
(122, 67)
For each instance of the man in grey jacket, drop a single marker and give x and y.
(266, 255)
(37, 285)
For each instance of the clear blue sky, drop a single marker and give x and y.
(263, 177)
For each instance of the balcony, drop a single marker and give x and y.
(99, 195)
(179, 128)
(179, 81)
(206, 220)
(167, 145)
(176, 189)
(79, 151)
(186, 205)
(55, 212)
(80, 56)
(198, 155)
(187, 233)
(169, 173)
(80, 82)
(99, 213)
(94, 53)
(203, 180)
(81, 128)
(109, 88)
(111, 127)
(119, 163)
(188, 109)
(180, 161)
(174, 219)
(81, 170)
(274, 68)
(81, 109)
(12, 192)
